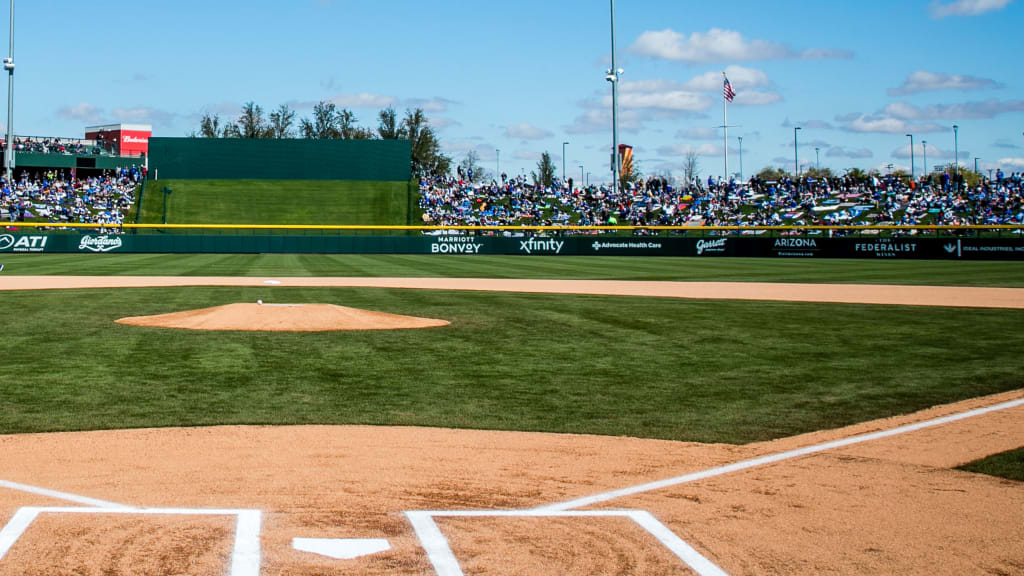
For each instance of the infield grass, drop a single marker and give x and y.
(733, 372)
(1009, 465)
(922, 273)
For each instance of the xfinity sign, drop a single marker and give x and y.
(534, 245)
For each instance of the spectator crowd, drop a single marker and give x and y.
(875, 200)
(59, 196)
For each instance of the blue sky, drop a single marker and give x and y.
(524, 77)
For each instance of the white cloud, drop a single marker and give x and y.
(363, 100)
(675, 100)
(698, 133)
(718, 45)
(83, 112)
(754, 98)
(434, 105)
(941, 9)
(982, 109)
(526, 132)
(595, 120)
(809, 124)
(1012, 162)
(740, 78)
(441, 123)
(144, 114)
(858, 154)
(922, 81)
(934, 152)
(684, 149)
(888, 125)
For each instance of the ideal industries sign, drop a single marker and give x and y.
(911, 248)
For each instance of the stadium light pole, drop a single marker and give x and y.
(796, 153)
(613, 77)
(924, 146)
(740, 138)
(956, 154)
(976, 165)
(564, 144)
(817, 158)
(912, 173)
(9, 66)
(581, 176)
(497, 164)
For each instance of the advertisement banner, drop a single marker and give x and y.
(465, 245)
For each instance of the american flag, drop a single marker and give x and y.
(729, 92)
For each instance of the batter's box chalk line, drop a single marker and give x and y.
(245, 555)
(445, 564)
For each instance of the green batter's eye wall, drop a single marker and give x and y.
(288, 159)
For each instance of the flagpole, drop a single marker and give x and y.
(725, 124)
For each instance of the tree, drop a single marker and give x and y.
(691, 168)
(472, 162)
(324, 124)
(388, 127)
(545, 174)
(632, 177)
(772, 174)
(426, 150)
(209, 126)
(819, 173)
(252, 124)
(281, 122)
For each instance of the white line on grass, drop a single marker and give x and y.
(771, 459)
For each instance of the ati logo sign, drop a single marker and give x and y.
(711, 246)
(99, 243)
(455, 245)
(23, 243)
(533, 245)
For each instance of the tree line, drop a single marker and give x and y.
(329, 122)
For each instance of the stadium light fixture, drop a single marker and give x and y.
(9, 67)
(912, 171)
(796, 154)
(741, 157)
(613, 77)
(956, 154)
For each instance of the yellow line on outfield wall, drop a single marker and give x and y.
(510, 227)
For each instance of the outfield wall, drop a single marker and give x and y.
(709, 247)
(284, 159)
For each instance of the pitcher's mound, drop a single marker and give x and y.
(283, 318)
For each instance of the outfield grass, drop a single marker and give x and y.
(732, 372)
(313, 202)
(923, 273)
(1009, 465)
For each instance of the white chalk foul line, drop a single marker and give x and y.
(84, 500)
(771, 459)
(445, 564)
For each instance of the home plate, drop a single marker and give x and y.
(341, 549)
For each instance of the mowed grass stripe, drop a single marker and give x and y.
(731, 372)
(308, 202)
(920, 273)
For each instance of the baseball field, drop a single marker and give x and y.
(572, 416)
